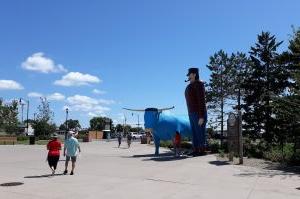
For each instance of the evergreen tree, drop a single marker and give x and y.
(289, 105)
(266, 79)
(218, 89)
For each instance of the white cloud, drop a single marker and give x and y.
(39, 63)
(56, 97)
(35, 95)
(98, 92)
(77, 79)
(50, 97)
(86, 104)
(106, 102)
(90, 114)
(10, 85)
(81, 99)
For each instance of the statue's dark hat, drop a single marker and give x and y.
(193, 70)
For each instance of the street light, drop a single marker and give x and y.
(21, 99)
(67, 114)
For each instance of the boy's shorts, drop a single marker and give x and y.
(73, 158)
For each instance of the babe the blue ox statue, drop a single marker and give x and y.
(164, 126)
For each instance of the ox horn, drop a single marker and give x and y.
(165, 109)
(137, 110)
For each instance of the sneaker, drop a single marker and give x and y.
(65, 172)
(71, 173)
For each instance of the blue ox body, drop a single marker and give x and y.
(164, 126)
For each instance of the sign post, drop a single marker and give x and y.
(234, 139)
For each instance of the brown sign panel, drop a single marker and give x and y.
(233, 134)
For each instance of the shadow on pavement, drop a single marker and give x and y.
(273, 170)
(44, 176)
(162, 157)
(153, 155)
(219, 163)
(166, 158)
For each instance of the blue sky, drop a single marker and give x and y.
(135, 53)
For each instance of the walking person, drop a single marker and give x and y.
(71, 147)
(119, 139)
(195, 99)
(129, 138)
(53, 147)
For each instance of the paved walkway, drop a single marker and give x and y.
(105, 171)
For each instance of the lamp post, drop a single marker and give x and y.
(67, 114)
(21, 99)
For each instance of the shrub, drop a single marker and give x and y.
(166, 144)
(214, 145)
(279, 154)
(254, 149)
(22, 138)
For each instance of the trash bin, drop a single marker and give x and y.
(144, 140)
(32, 140)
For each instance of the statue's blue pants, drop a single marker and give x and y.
(198, 132)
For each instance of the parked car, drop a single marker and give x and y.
(136, 135)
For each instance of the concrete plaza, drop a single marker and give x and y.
(105, 171)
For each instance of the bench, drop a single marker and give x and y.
(8, 140)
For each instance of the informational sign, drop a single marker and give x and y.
(233, 135)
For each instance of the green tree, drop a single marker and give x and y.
(127, 128)
(98, 123)
(266, 78)
(119, 128)
(136, 129)
(288, 106)
(72, 124)
(9, 117)
(218, 90)
(44, 126)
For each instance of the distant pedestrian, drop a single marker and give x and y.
(119, 139)
(71, 147)
(177, 143)
(54, 147)
(129, 138)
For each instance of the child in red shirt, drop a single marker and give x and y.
(177, 143)
(54, 147)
